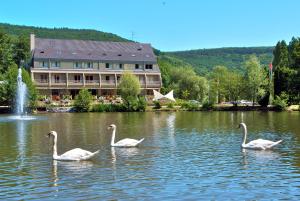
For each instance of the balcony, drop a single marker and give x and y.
(108, 83)
(153, 84)
(75, 82)
(58, 82)
(92, 82)
(41, 82)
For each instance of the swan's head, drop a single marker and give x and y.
(242, 125)
(53, 133)
(112, 126)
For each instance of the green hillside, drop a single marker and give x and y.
(204, 60)
(60, 33)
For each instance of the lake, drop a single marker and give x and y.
(185, 156)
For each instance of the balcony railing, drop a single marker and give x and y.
(41, 82)
(58, 82)
(75, 82)
(108, 83)
(153, 84)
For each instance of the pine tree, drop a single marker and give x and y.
(281, 68)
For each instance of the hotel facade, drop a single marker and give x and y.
(63, 67)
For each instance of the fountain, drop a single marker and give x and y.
(21, 96)
(20, 103)
(21, 100)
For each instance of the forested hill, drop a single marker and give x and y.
(202, 60)
(205, 59)
(60, 33)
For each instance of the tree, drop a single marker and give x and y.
(217, 79)
(234, 85)
(9, 86)
(188, 85)
(255, 78)
(21, 49)
(6, 52)
(282, 70)
(83, 101)
(129, 88)
(294, 58)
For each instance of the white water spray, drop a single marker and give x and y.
(21, 96)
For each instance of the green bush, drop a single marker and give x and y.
(142, 104)
(190, 106)
(207, 105)
(83, 101)
(157, 105)
(170, 105)
(280, 102)
(109, 108)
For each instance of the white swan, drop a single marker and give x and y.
(76, 154)
(127, 142)
(259, 144)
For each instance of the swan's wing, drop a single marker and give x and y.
(127, 142)
(75, 154)
(262, 144)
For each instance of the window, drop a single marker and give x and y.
(56, 78)
(107, 78)
(89, 78)
(77, 65)
(77, 78)
(137, 66)
(89, 65)
(149, 66)
(43, 78)
(55, 64)
(121, 66)
(44, 64)
(108, 65)
(118, 77)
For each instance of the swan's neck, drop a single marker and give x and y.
(113, 137)
(55, 146)
(245, 134)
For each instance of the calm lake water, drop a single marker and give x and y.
(185, 156)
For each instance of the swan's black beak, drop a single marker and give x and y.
(108, 128)
(239, 126)
(48, 135)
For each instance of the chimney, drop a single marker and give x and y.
(32, 42)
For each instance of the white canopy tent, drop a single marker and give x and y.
(158, 96)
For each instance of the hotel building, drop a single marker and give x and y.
(63, 67)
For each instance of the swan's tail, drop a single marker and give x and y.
(91, 156)
(141, 140)
(275, 143)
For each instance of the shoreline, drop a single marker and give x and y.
(292, 108)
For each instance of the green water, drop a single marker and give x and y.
(185, 155)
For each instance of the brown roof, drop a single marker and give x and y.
(93, 50)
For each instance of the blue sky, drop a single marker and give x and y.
(168, 25)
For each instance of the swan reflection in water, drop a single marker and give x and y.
(123, 152)
(258, 156)
(76, 168)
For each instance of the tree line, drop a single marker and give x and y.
(286, 65)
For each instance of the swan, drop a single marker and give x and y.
(259, 144)
(127, 142)
(76, 154)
